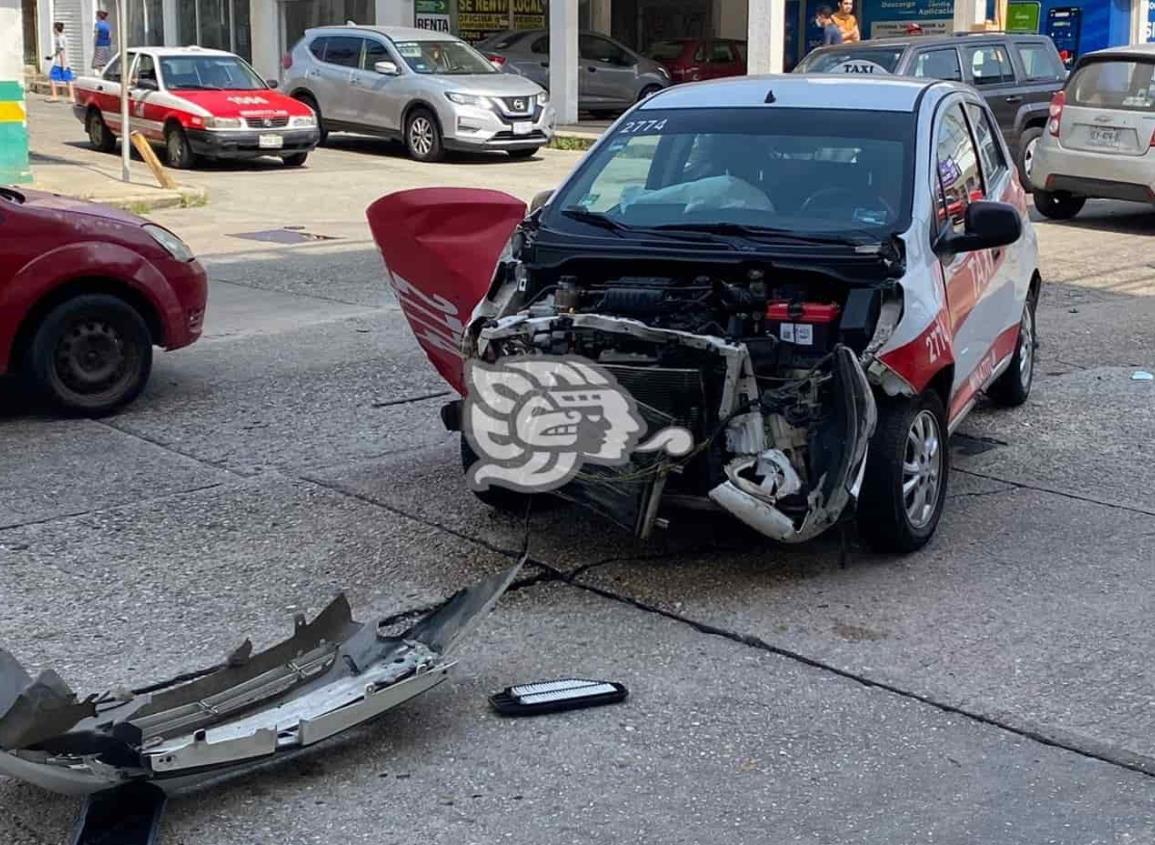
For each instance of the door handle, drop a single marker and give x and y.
(1014, 99)
(99, 87)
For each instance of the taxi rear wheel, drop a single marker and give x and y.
(177, 151)
(99, 135)
(1012, 388)
(907, 466)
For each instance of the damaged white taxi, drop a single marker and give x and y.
(816, 277)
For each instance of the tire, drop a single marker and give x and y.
(177, 151)
(648, 91)
(312, 103)
(1026, 153)
(498, 498)
(99, 135)
(295, 160)
(90, 355)
(906, 428)
(1012, 388)
(522, 154)
(423, 136)
(1058, 205)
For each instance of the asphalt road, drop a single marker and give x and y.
(996, 687)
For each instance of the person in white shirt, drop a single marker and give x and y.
(61, 72)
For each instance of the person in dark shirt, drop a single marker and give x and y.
(831, 34)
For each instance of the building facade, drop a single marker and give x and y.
(13, 121)
(778, 32)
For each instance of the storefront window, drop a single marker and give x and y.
(220, 24)
(300, 15)
(146, 23)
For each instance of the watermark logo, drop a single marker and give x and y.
(534, 422)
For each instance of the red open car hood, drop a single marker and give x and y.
(441, 247)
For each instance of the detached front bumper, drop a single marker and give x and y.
(476, 128)
(247, 143)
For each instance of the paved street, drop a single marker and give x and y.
(996, 687)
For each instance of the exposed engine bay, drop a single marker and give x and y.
(766, 366)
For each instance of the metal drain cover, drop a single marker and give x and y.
(286, 235)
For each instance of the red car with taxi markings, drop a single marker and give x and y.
(198, 104)
(86, 291)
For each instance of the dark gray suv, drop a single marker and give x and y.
(1016, 74)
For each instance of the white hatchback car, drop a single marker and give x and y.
(1100, 138)
(815, 276)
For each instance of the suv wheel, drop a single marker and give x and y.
(90, 355)
(1058, 205)
(904, 488)
(312, 103)
(423, 136)
(1028, 141)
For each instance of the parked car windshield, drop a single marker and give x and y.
(228, 73)
(800, 170)
(827, 61)
(443, 57)
(665, 51)
(1114, 84)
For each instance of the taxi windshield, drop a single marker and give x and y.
(446, 57)
(209, 73)
(802, 171)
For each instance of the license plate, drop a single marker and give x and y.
(522, 127)
(1100, 137)
(270, 142)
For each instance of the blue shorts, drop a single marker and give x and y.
(61, 74)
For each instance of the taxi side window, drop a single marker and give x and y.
(112, 72)
(145, 74)
(957, 167)
(990, 153)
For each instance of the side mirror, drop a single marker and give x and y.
(987, 225)
(272, 83)
(147, 85)
(539, 199)
(386, 68)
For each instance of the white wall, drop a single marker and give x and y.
(265, 24)
(11, 40)
(394, 12)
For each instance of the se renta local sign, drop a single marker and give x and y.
(861, 67)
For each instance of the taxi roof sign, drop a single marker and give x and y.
(860, 66)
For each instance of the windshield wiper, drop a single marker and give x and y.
(594, 218)
(768, 232)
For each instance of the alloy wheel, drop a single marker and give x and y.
(922, 469)
(421, 135)
(1027, 347)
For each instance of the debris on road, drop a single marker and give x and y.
(332, 674)
(556, 696)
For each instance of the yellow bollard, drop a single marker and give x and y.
(149, 155)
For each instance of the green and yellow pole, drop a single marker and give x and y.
(13, 133)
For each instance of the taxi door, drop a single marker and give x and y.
(980, 285)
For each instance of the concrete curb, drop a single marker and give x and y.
(138, 199)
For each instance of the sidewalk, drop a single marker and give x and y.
(62, 163)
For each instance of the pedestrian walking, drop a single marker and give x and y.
(61, 72)
(831, 34)
(102, 42)
(846, 22)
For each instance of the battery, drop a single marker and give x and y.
(803, 324)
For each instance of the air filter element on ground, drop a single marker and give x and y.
(555, 696)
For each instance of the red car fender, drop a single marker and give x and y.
(82, 260)
(441, 247)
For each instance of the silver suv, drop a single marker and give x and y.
(429, 89)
